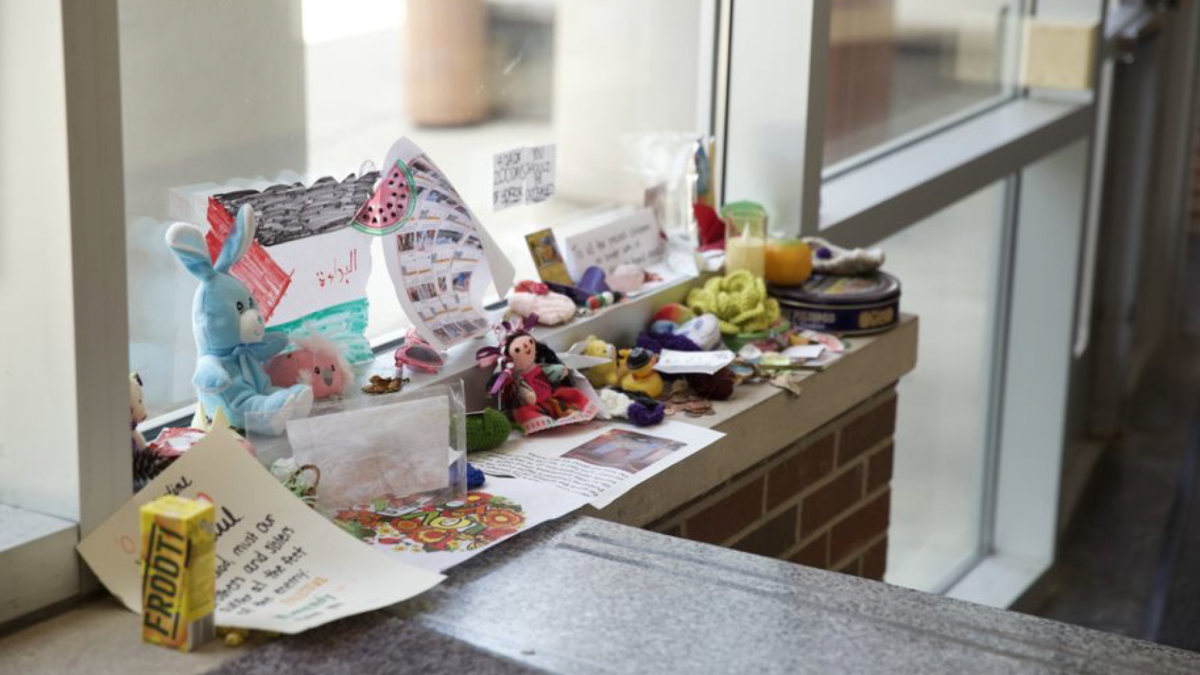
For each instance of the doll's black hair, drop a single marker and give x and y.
(542, 355)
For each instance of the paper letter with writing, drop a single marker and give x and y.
(281, 566)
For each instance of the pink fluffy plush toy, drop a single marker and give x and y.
(315, 362)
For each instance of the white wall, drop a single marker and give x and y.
(39, 465)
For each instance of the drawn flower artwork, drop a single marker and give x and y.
(469, 524)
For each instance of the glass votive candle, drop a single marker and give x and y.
(745, 237)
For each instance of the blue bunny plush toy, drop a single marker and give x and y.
(231, 336)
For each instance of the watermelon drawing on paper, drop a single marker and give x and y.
(390, 206)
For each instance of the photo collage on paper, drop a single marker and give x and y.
(436, 258)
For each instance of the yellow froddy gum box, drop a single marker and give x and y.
(178, 572)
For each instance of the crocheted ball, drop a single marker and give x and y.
(715, 387)
(551, 309)
(703, 330)
(626, 278)
(657, 342)
(663, 327)
(593, 281)
(674, 312)
(487, 430)
(644, 415)
(475, 477)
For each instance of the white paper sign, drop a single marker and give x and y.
(540, 165)
(398, 449)
(281, 566)
(803, 352)
(334, 272)
(633, 238)
(599, 462)
(508, 181)
(678, 363)
(523, 176)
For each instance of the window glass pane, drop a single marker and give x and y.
(899, 66)
(247, 93)
(949, 269)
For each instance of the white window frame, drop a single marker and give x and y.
(87, 456)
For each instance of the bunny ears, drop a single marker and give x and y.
(187, 243)
(487, 357)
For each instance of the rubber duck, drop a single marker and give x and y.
(639, 374)
(605, 374)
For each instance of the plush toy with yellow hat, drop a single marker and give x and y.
(638, 374)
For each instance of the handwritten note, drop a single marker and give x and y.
(633, 238)
(523, 176)
(280, 565)
(326, 271)
(539, 173)
(677, 363)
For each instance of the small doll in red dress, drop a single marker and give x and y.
(533, 385)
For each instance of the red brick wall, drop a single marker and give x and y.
(822, 501)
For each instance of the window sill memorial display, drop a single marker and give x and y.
(302, 446)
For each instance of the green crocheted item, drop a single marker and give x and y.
(739, 301)
(487, 430)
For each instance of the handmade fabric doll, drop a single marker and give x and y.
(146, 463)
(137, 413)
(533, 384)
(231, 337)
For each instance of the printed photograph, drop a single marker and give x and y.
(628, 451)
(448, 237)
(544, 250)
(462, 281)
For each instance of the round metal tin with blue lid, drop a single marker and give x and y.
(850, 305)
